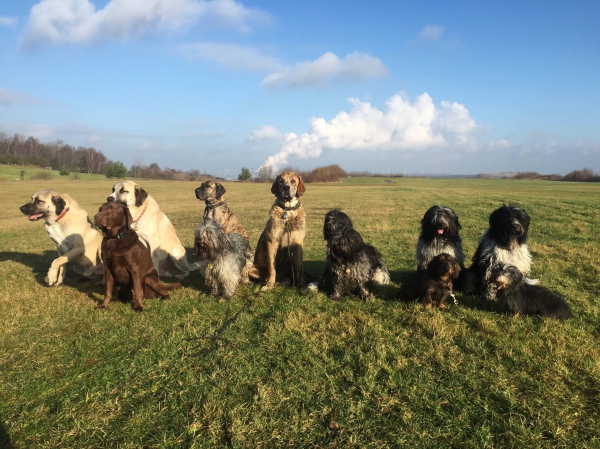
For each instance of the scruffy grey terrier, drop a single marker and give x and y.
(227, 258)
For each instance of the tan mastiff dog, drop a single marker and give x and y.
(154, 228)
(68, 225)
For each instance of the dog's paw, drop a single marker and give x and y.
(102, 306)
(53, 278)
(266, 288)
(180, 276)
(314, 286)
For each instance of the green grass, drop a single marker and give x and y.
(391, 374)
(12, 172)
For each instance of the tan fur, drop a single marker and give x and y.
(221, 214)
(77, 239)
(280, 247)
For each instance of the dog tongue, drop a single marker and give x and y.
(440, 231)
(35, 217)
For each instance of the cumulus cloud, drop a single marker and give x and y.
(403, 126)
(232, 56)
(265, 132)
(11, 98)
(8, 21)
(354, 67)
(431, 33)
(79, 22)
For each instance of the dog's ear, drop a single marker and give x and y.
(59, 203)
(127, 217)
(301, 188)
(220, 190)
(140, 196)
(455, 270)
(275, 186)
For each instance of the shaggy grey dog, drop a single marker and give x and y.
(439, 235)
(227, 258)
(353, 267)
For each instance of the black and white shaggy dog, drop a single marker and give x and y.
(508, 286)
(439, 234)
(226, 258)
(433, 285)
(504, 241)
(353, 267)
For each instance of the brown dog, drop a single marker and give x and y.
(127, 261)
(216, 209)
(279, 251)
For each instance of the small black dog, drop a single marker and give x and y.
(439, 234)
(433, 285)
(505, 241)
(509, 287)
(353, 267)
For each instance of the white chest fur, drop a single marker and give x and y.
(57, 234)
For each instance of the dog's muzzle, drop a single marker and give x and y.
(110, 199)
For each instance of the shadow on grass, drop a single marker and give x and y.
(5, 438)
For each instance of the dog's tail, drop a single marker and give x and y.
(381, 275)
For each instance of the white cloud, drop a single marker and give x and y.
(79, 22)
(8, 21)
(10, 98)
(431, 33)
(232, 56)
(403, 126)
(355, 67)
(265, 132)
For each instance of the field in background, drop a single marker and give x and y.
(390, 374)
(12, 172)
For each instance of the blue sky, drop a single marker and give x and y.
(457, 87)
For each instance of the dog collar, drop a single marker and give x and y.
(63, 213)
(140, 216)
(288, 209)
(119, 236)
(210, 207)
(445, 284)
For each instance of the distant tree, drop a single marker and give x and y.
(116, 170)
(64, 170)
(245, 174)
(265, 174)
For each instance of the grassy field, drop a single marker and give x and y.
(13, 172)
(390, 374)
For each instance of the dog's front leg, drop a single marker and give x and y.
(272, 247)
(138, 291)
(110, 284)
(56, 273)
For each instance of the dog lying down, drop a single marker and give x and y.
(127, 262)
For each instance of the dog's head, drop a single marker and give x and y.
(502, 277)
(440, 222)
(128, 193)
(46, 204)
(335, 221)
(288, 186)
(210, 191)
(444, 268)
(112, 218)
(509, 225)
(210, 240)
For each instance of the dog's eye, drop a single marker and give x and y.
(293, 181)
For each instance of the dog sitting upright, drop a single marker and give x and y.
(216, 209)
(228, 258)
(127, 261)
(434, 285)
(508, 286)
(439, 234)
(353, 267)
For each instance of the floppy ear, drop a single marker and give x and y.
(59, 203)
(140, 196)
(456, 270)
(127, 216)
(301, 188)
(275, 186)
(220, 190)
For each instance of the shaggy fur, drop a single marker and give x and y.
(228, 257)
(212, 193)
(432, 286)
(439, 234)
(353, 267)
(508, 286)
(504, 241)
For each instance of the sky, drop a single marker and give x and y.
(385, 86)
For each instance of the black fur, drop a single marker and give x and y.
(439, 234)
(140, 196)
(59, 203)
(508, 286)
(353, 267)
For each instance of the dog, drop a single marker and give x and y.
(439, 234)
(504, 241)
(280, 247)
(69, 227)
(352, 266)
(216, 209)
(507, 284)
(128, 264)
(433, 285)
(228, 257)
(154, 228)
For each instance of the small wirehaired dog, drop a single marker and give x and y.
(507, 284)
(353, 267)
(226, 258)
(439, 234)
(504, 241)
(433, 285)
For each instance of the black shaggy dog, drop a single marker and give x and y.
(439, 234)
(508, 286)
(353, 267)
(433, 285)
(504, 241)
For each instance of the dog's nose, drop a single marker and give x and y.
(285, 187)
(110, 199)
(22, 209)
